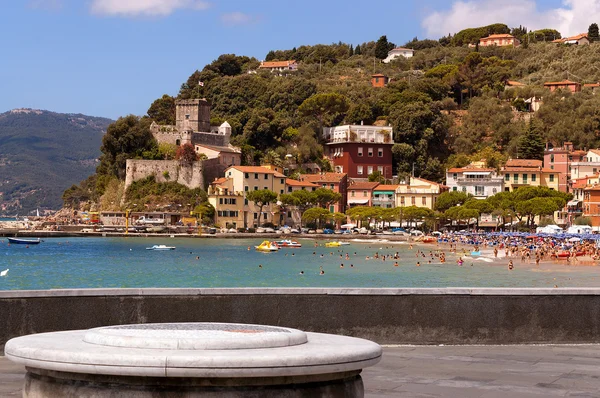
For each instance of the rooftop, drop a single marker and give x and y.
(402, 49)
(277, 64)
(386, 187)
(256, 169)
(469, 169)
(323, 177)
(561, 83)
(523, 163)
(296, 183)
(499, 36)
(363, 185)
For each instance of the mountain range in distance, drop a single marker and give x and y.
(42, 153)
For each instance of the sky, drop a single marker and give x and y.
(115, 57)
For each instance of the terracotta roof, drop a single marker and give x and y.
(536, 169)
(325, 177)
(277, 64)
(402, 49)
(467, 169)
(296, 183)
(592, 85)
(523, 163)
(378, 75)
(576, 37)
(579, 183)
(499, 36)
(386, 188)
(257, 169)
(219, 181)
(431, 182)
(363, 185)
(514, 83)
(563, 83)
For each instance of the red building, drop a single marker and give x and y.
(379, 80)
(360, 150)
(337, 182)
(559, 159)
(564, 85)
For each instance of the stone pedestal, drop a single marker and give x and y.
(192, 360)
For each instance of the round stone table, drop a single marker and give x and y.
(192, 360)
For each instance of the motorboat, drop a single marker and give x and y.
(161, 247)
(288, 243)
(18, 241)
(267, 246)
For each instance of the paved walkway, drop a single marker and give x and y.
(456, 371)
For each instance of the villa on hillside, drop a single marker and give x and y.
(578, 40)
(399, 52)
(574, 87)
(279, 66)
(499, 40)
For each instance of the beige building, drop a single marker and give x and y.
(292, 214)
(528, 172)
(228, 196)
(419, 192)
(588, 166)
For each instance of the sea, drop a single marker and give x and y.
(104, 262)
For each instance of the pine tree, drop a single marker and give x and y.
(351, 50)
(531, 144)
(357, 50)
(593, 33)
(382, 47)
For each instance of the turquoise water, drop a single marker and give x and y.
(124, 263)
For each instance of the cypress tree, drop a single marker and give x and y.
(382, 47)
(593, 33)
(351, 50)
(357, 50)
(531, 144)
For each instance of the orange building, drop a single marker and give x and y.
(337, 182)
(591, 205)
(379, 80)
(564, 85)
(499, 40)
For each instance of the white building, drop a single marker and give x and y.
(479, 182)
(588, 167)
(359, 133)
(399, 52)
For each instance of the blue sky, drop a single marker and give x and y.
(114, 57)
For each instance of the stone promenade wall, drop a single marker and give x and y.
(387, 316)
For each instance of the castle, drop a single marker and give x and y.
(192, 126)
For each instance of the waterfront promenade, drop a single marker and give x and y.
(523, 371)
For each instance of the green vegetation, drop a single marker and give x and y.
(169, 196)
(261, 198)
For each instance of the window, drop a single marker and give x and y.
(413, 200)
(255, 216)
(289, 189)
(246, 202)
(464, 189)
(380, 169)
(455, 189)
(380, 152)
(266, 176)
(220, 201)
(401, 200)
(246, 175)
(364, 193)
(256, 188)
(524, 178)
(424, 200)
(281, 191)
(246, 188)
(359, 170)
(282, 181)
(187, 117)
(551, 177)
(494, 191)
(370, 152)
(370, 169)
(552, 158)
(533, 177)
(507, 177)
(332, 186)
(256, 176)
(352, 193)
(331, 208)
(454, 176)
(265, 188)
(479, 190)
(360, 151)
(515, 178)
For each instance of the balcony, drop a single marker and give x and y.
(479, 180)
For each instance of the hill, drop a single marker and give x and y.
(42, 153)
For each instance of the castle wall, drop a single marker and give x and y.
(210, 139)
(191, 176)
(193, 114)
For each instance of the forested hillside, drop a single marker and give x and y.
(42, 153)
(448, 104)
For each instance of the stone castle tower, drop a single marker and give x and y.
(193, 115)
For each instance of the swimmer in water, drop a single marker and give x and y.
(510, 265)
(396, 264)
(301, 272)
(418, 264)
(351, 265)
(259, 265)
(341, 265)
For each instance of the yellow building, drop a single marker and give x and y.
(419, 192)
(228, 196)
(528, 172)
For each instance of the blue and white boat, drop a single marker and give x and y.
(18, 241)
(161, 247)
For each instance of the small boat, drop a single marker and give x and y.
(566, 254)
(288, 243)
(18, 241)
(161, 247)
(267, 246)
(429, 239)
(336, 244)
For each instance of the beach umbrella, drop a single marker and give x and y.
(574, 240)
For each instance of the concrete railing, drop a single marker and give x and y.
(387, 316)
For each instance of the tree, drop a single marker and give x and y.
(316, 214)
(324, 105)
(261, 198)
(326, 197)
(162, 111)
(376, 176)
(301, 199)
(357, 50)
(382, 48)
(531, 144)
(450, 199)
(186, 154)
(593, 33)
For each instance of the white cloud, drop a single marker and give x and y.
(573, 17)
(132, 8)
(237, 18)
